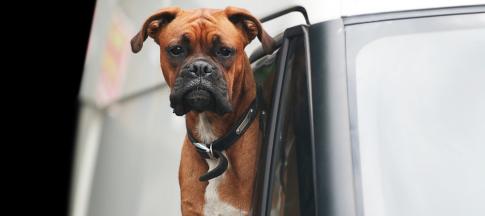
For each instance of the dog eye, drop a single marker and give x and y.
(176, 50)
(224, 52)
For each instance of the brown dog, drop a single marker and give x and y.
(204, 64)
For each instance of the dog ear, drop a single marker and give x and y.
(251, 26)
(152, 25)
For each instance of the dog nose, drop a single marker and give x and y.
(201, 68)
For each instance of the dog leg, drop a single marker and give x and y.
(192, 191)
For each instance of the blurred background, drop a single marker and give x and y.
(128, 141)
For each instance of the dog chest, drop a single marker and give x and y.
(213, 204)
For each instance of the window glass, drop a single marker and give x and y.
(420, 103)
(292, 139)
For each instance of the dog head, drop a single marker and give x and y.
(202, 54)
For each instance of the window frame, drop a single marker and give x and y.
(264, 182)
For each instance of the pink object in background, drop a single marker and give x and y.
(114, 60)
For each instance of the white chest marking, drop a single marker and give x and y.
(213, 205)
(204, 129)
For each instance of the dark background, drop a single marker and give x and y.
(45, 48)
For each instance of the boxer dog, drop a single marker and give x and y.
(211, 82)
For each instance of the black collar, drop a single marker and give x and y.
(214, 150)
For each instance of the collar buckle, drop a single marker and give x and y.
(204, 149)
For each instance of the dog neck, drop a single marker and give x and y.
(242, 155)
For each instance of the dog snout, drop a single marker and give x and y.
(200, 68)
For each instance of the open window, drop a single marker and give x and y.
(285, 173)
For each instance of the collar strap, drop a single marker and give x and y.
(214, 149)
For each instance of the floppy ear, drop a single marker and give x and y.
(152, 25)
(251, 26)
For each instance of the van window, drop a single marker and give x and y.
(420, 106)
(290, 187)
